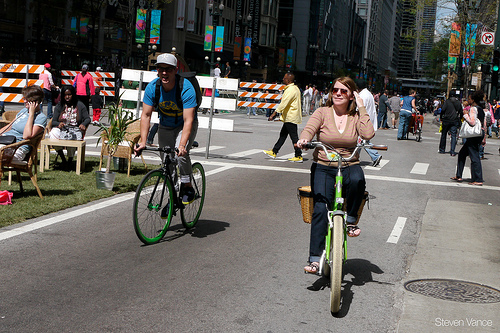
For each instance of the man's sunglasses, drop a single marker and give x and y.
(342, 91)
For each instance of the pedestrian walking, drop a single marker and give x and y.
(84, 84)
(451, 113)
(471, 145)
(383, 108)
(395, 103)
(369, 104)
(291, 116)
(407, 107)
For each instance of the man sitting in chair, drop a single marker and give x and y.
(29, 122)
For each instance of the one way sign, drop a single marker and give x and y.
(487, 38)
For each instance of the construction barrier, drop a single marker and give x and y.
(104, 80)
(205, 82)
(15, 77)
(259, 100)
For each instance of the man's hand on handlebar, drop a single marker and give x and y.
(138, 148)
(301, 144)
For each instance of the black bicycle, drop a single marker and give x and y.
(157, 198)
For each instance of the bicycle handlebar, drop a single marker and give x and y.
(336, 155)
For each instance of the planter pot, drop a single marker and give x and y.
(119, 163)
(104, 181)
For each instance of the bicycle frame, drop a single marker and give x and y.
(337, 209)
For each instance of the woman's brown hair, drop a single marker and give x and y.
(351, 85)
(33, 94)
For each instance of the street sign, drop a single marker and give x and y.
(487, 38)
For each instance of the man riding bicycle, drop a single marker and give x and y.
(174, 118)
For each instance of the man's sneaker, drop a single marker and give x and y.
(269, 153)
(297, 159)
(164, 211)
(377, 161)
(188, 195)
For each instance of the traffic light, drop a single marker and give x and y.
(495, 67)
(485, 68)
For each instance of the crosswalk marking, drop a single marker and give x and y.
(397, 230)
(466, 174)
(420, 168)
(245, 153)
(380, 166)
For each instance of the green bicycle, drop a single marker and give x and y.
(335, 253)
(157, 198)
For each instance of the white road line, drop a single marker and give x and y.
(64, 217)
(245, 153)
(380, 166)
(420, 168)
(397, 230)
(466, 174)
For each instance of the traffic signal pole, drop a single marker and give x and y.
(495, 67)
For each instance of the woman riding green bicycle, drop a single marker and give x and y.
(338, 124)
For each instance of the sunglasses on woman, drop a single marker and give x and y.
(342, 91)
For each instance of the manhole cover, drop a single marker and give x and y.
(454, 290)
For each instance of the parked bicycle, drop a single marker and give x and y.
(157, 198)
(335, 253)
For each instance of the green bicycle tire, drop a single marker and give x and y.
(337, 260)
(149, 226)
(190, 213)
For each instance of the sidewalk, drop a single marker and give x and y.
(458, 241)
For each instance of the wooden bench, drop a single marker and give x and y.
(45, 152)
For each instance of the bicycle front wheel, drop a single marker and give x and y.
(336, 259)
(153, 207)
(191, 213)
(419, 132)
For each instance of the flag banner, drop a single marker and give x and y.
(219, 39)
(470, 44)
(191, 13)
(181, 10)
(84, 24)
(454, 49)
(73, 25)
(140, 26)
(248, 49)
(281, 58)
(237, 48)
(452, 62)
(207, 45)
(289, 58)
(154, 33)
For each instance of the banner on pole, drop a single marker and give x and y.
(248, 49)
(289, 58)
(140, 26)
(154, 34)
(84, 24)
(207, 45)
(219, 39)
(181, 10)
(237, 48)
(191, 15)
(281, 58)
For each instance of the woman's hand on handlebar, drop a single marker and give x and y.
(301, 143)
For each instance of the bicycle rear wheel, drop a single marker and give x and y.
(191, 213)
(154, 197)
(336, 259)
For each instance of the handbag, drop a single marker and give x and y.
(468, 131)
(7, 139)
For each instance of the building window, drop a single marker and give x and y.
(362, 12)
(263, 34)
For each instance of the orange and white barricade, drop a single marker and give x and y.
(104, 80)
(15, 77)
(259, 99)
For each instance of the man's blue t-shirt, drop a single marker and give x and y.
(407, 103)
(167, 105)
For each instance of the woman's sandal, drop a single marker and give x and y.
(353, 230)
(312, 268)
(456, 178)
(476, 183)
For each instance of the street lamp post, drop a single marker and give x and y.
(151, 49)
(215, 11)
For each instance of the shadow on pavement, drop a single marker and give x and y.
(203, 228)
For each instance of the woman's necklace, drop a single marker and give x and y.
(339, 119)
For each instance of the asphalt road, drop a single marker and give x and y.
(241, 268)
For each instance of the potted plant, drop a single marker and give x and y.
(112, 136)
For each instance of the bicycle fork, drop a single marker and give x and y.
(337, 210)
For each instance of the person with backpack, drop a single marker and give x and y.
(451, 114)
(177, 98)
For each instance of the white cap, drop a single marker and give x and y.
(167, 58)
(98, 69)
